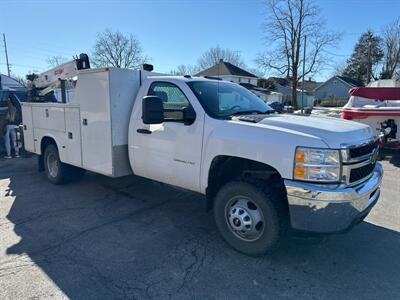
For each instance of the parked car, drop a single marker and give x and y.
(277, 106)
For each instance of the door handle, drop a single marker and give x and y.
(143, 131)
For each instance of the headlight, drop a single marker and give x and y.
(317, 165)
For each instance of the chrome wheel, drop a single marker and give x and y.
(52, 164)
(244, 218)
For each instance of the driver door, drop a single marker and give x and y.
(170, 152)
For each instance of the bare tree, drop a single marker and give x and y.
(185, 70)
(391, 49)
(212, 57)
(256, 71)
(114, 49)
(288, 22)
(55, 61)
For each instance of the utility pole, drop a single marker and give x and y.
(304, 70)
(5, 49)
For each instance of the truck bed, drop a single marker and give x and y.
(91, 131)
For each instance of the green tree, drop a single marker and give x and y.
(367, 53)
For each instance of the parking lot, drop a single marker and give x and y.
(105, 238)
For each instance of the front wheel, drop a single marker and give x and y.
(252, 219)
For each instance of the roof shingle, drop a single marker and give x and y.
(225, 68)
(351, 81)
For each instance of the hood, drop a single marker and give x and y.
(334, 132)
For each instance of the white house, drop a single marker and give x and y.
(227, 71)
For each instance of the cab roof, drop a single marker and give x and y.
(185, 78)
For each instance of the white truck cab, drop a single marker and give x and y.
(263, 173)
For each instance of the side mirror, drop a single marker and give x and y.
(189, 115)
(152, 110)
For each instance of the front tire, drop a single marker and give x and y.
(251, 218)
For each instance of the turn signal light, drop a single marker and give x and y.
(300, 156)
(300, 172)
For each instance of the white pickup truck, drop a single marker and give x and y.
(263, 173)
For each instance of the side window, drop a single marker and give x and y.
(174, 100)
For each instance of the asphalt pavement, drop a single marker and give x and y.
(133, 238)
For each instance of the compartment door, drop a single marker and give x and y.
(27, 122)
(93, 95)
(73, 150)
(49, 117)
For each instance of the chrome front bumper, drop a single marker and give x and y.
(331, 208)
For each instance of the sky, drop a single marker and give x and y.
(171, 32)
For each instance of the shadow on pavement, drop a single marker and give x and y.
(134, 238)
(393, 156)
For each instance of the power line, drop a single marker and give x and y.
(23, 66)
(37, 56)
(40, 52)
(336, 54)
(48, 45)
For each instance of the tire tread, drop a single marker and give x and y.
(273, 197)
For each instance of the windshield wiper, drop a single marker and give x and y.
(250, 112)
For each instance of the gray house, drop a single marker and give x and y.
(336, 90)
(284, 86)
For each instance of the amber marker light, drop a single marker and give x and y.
(300, 156)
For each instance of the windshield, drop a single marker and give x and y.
(223, 99)
(356, 101)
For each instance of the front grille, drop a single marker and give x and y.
(361, 172)
(363, 150)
